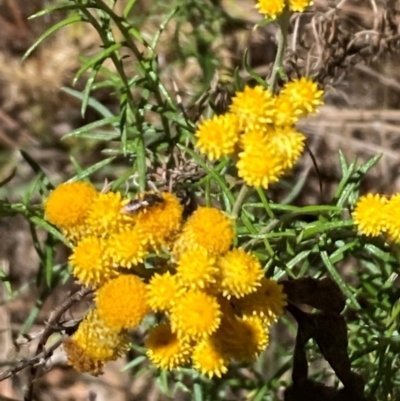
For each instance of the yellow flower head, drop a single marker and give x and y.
(165, 349)
(289, 143)
(240, 272)
(94, 344)
(105, 215)
(162, 291)
(370, 214)
(208, 359)
(390, 221)
(90, 264)
(122, 302)
(127, 248)
(196, 268)
(209, 228)
(160, 221)
(68, 205)
(259, 164)
(80, 360)
(270, 8)
(255, 335)
(195, 315)
(254, 107)
(217, 136)
(304, 94)
(286, 112)
(267, 302)
(241, 339)
(299, 5)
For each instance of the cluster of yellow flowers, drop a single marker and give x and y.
(259, 130)
(376, 214)
(273, 8)
(214, 302)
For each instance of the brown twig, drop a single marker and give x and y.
(42, 354)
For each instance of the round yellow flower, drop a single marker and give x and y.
(390, 221)
(286, 113)
(80, 360)
(289, 144)
(260, 165)
(127, 248)
(94, 343)
(254, 107)
(267, 302)
(299, 5)
(68, 205)
(106, 215)
(255, 335)
(196, 268)
(122, 302)
(165, 349)
(90, 263)
(208, 359)
(370, 214)
(195, 315)
(209, 228)
(304, 94)
(162, 291)
(240, 273)
(217, 136)
(242, 339)
(270, 8)
(160, 221)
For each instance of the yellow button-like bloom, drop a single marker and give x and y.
(218, 136)
(94, 344)
(391, 219)
(254, 107)
(270, 8)
(195, 315)
(68, 205)
(162, 291)
(160, 222)
(122, 302)
(286, 112)
(299, 5)
(80, 360)
(127, 248)
(209, 228)
(370, 214)
(165, 349)
(267, 302)
(254, 334)
(242, 339)
(208, 359)
(240, 273)
(196, 268)
(289, 144)
(106, 215)
(260, 165)
(304, 94)
(90, 263)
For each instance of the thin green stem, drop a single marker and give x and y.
(244, 191)
(151, 76)
(120, 68)
(283, 22)
(265, 203)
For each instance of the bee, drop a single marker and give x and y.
(145, 201)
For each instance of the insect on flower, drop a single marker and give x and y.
(143, 202)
